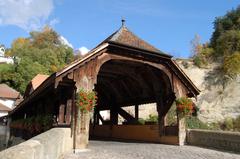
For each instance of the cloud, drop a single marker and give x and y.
(26, 14)
(64, 41)
(83, 50)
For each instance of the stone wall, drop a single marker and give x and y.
(215, 139)
(48, 145)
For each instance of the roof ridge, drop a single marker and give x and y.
(117, 33)
(126, 37)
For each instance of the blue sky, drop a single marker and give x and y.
(169, 25)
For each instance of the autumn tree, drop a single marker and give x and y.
(42, 52)
(224, 44)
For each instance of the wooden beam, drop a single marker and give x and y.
(68, 111)
(114, 115)
(61, 114)
(136, 112)
(100, 117)
(125, 115)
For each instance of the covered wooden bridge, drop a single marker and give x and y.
(124, 71)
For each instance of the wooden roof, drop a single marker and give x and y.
(34, 83)
(126, 37)
(38, 80)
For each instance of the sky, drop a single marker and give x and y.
(169, 25)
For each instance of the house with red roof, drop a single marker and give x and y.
(9, 98)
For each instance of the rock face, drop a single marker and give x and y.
(220, 95)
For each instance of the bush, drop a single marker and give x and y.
(228, 43)
(198, 61)
(141, 121)
(152, 118)
(204, 56)
(236, 124)
(195, 123)
(231, 65)
(227, 124)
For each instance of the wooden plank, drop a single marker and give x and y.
(61, 114)
(68, 111)
(136, 111)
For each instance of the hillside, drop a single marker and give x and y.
(220, 96)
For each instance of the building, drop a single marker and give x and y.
(9, 98)
(4, 59)
(124, 70)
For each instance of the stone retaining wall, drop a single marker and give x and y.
(51, 144)
(216, 139)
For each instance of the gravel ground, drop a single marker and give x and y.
(121, 150)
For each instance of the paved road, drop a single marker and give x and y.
(121, 150)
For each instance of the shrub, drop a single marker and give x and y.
(198, 61)
(204, 56)
(227, 124)
(195, 123)
(231, 65)
(236, 124)
(141, 121)
(152, 118)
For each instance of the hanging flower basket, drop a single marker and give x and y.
(186, 107)
(86, 100)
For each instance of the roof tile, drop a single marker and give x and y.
(8, 92)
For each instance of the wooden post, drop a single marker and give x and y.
(136, 111)
(95, 117)
(181, 130)
(74, 119)
(82, 129)
(68, 111)
(180, 92)
(61, 114)
(114, 115)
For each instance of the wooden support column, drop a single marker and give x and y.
(68, 111)
(96, 117)
(160, 119)
(136, 112)
(181, 130)
(114, 115)
(180, 92)
(61, 114)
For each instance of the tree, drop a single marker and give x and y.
(224, 44)
(201, 53)
(231, 64)
(196, 46)
(230, 21)
(228, 43)
(42, 52)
